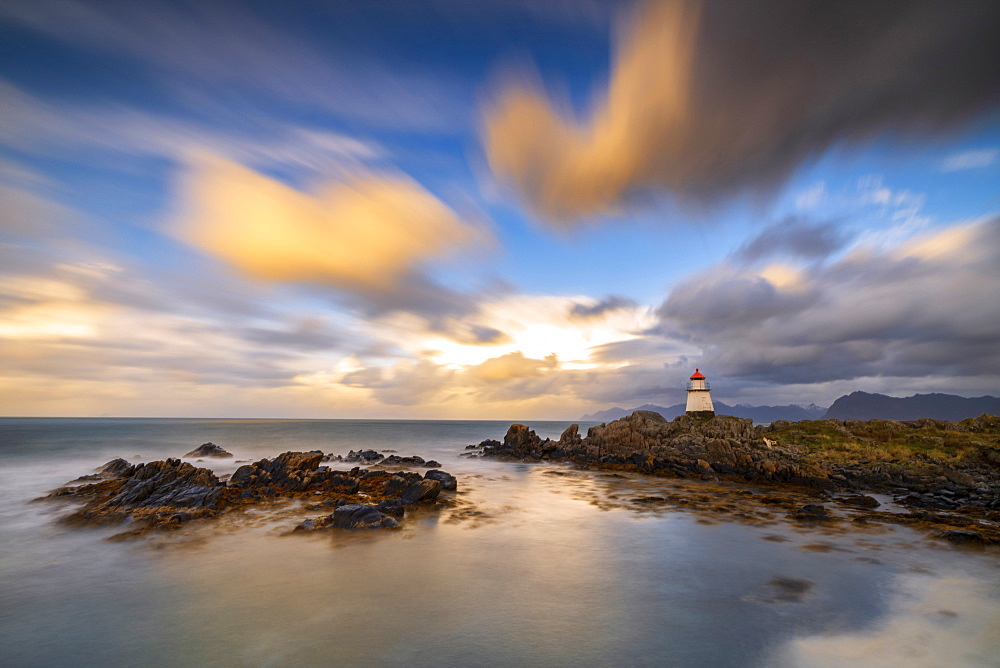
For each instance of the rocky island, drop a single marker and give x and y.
(945, 474)
(164, 495)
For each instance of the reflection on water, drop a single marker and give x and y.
(526, 567)
(943, 621)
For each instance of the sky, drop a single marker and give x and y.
(508, 210)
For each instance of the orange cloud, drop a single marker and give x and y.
(364, 235)
(568, 169)
(512, 365)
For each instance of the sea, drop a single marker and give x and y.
(528, 565)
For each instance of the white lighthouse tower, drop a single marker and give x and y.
(699, 397)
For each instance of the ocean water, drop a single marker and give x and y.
(527, 567)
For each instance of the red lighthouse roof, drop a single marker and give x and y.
(697, 375)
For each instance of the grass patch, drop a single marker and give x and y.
(889, 441)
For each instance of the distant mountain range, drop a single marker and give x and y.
(865, 406)
(853, 406)
(755, 413)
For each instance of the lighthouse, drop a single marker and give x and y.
(699, 397)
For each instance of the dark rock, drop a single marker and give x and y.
(116, 467)
(357, 516)
(343, 484)
(447, 480)
(396, 460)
(208, 450)
(571, 437)
(962, 536)
(432, 464)
(860, 500)
(366, 456)
(520, 442)
(423, 491)
(392, 507)
(812, 511)
(396, 485)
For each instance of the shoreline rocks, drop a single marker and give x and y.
(167, 494)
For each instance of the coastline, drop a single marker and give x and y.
(948, 487)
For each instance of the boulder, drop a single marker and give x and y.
(357, 516)
(447, 480)
(208, 450)
(423, 491)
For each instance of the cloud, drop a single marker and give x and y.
(707, 100)
(72, 130)
(919, 310)
(365, 235)
(795, 237)
(611, 303)
(256, 57)
(513, 365)
(407, 383)
(970, 160)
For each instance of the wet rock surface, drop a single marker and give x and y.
(167, 494)
(958, 474)
(208, 450)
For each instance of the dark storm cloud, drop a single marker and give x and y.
(927, 308)
(725, 299)
(796, 237)
(611, 303)
(711, 99)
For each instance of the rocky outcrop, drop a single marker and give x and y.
(208, 450)
(726, 447)
(928, 465)
(687, 447)
(166, 494)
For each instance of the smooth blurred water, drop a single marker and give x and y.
(524, 569)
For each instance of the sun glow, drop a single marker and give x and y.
(536, 327)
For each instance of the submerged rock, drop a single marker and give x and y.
(860, 500)
(962, 536)
(810, 512)
(208, 450)
(357, 516)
